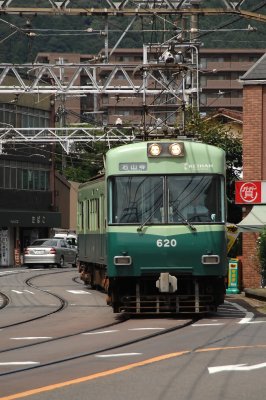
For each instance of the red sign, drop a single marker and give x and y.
(248, 192)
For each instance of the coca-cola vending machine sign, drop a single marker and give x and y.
(250, 192)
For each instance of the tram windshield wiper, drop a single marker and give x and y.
(184, 220)
(139, 229)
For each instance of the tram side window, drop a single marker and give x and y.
(88, 214)
(93, 214)
(81, 215)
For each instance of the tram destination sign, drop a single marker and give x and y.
(133, 166)
(250, 192)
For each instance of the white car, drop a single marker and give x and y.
(69, 237)
(51, 251)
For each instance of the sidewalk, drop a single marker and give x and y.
(259, 294)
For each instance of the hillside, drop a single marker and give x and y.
(22, 38)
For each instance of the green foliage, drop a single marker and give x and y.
(261, 242)
(231, 31)
(261, 250)
(216, 31)
(85, 163)
(215, 133)
(79, 173)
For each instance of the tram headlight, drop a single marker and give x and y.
(122, 260)
(176, 149)
(166, 149)
(154, 149)
(210, 259)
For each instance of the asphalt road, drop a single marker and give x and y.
(84, 351)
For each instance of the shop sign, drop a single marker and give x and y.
(38, 219)
(250, 192)
(26, 218)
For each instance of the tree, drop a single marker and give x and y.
(215, 133)
(261, 248)
(82, 164)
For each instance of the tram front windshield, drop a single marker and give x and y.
(166, 199)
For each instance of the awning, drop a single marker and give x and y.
(255, 221)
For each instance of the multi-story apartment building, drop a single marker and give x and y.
(218, 85)
(220, 70)
(68, 108)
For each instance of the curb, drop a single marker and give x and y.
(259, 294)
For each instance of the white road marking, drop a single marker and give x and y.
(36, 269)
(118, 355)
(213, 324)
(248, 318)
(237, 367)
(23, 291)
(18, 271)
(249, 315)
(78, 292)
(98, 332)
(19, 363)
(146, 329)
(8, 272)
(31, 338)
(247, 321)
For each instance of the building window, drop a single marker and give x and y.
(237, 94)
(125, 112)
(23, 117)
(19, 178)
(120, 75)
(81, 215)
(1, 177)
(124, 58)
(12, 176)
(7, 178)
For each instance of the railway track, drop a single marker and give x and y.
(5, 301)
(119, 322)
(101, 349)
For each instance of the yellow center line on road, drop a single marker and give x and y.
(122, 369)
(206, 349)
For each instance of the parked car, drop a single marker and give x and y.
(49, 251)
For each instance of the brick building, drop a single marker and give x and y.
(254, 161)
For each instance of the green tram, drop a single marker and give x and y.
(151, 231)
